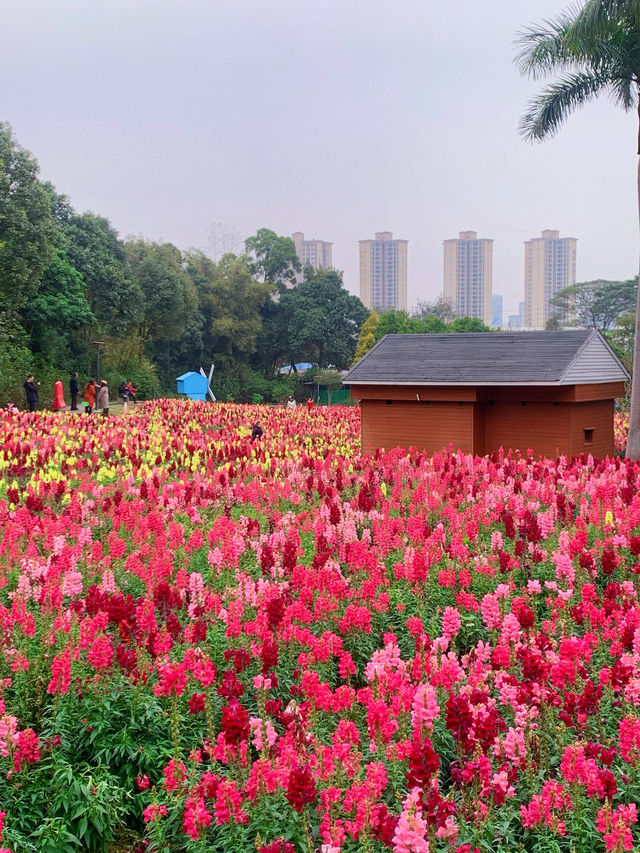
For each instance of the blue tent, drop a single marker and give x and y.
(304, 365)
(193, 384)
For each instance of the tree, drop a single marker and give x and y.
(27, 229)
(95, 250)
(324, 320)
(622, 336)
(467, 324)
(441, 308)
(234, 302)
(58, 313)
(331, 379)
(367, 336)
(591, 50)
(397, 323)
(273, 258)
(595, 304)
(223, 239)
(170, 298)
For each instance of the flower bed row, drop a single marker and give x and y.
(217, 644)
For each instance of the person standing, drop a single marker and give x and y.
(74, 388)
(257, 431)
(31, 390)
(102, 401)
(291, 403)
(90, 395)
(132, 391)
(123, 392)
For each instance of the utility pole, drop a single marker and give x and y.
(97, 345)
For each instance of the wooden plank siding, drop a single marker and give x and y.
(596, 416)
(407, 424)
(412, 392)
(603, 391)
(541, 427)
(549, 421)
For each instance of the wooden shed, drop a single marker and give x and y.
(551, 392)
(193, 384)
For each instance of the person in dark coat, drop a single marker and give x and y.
(74, 389)
(256, 432)
(31, 390)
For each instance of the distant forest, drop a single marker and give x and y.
(67, 281)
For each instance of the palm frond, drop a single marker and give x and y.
(544, 52)
(597, 15)
(546, 48)
(624, 92)
(550, 109)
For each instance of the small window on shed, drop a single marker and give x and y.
(588, 435)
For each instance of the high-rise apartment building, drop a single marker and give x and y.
(549, 267)
(383, 272)
(496, 311)
(315, 253)
(468, 272)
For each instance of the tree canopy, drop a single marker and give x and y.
(595, 304)
(273, 258)
(27, 229)
(324, 320)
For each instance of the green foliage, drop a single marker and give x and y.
(622, 338)
(235, 300)
(273, 258)
(16, 360)
(401, 323)
(595, 304)
(27, 230)
(329, 379)
(170, 298)
(95, 250)
(324, 320)
(57, 315)
(467, 324)
(367, 336)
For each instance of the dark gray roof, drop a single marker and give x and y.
(565, 357)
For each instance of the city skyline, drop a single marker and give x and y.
(125, 108)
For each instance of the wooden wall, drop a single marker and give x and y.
(549, 428)
(598, 416)
(541, 427)
(413, 424)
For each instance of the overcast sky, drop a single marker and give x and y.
(336, 118)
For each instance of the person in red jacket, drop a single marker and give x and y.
(90, 395)
(132, 392)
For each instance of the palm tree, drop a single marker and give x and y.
(588, 51)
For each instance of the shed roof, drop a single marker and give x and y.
(566, 357)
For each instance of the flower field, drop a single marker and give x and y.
(211, 644)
